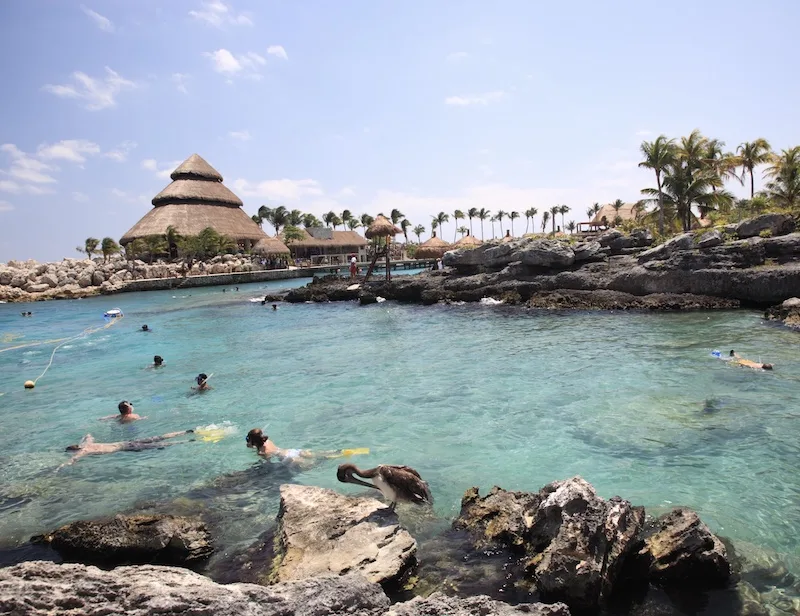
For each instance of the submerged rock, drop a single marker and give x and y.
(123, 539)
(322, 532)
(44, 589)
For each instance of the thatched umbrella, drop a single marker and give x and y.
(270, 247)
(434, 248)
(468, 241)
(382, 227)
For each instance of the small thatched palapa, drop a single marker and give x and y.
(197, 199)
(468, 241)
(434, 248)
(626, 212)
(270, 246)
(382, 227)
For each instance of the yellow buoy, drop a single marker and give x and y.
(29, 384)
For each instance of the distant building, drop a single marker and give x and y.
(197, 199)
(607, 215)
(322, 246)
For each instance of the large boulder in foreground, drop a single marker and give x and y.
(439, 604)
(323, 532)
(138, 539)
(679, 549)
(44, 589)
(574, 542)
(772, 224)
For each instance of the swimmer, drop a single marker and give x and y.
(146, 329)
(265, 448)
(158, 361)
(274, 306)
(126, 414)
(202, 382)
(88, 446)
(746, 363)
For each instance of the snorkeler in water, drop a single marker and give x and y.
(158, 361)
(126, 414)
(256, 439)
(202, 382)
(737, 359)
(88, 446)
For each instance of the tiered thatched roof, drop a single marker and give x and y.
(270, 246)
(196, 199)
(434, 248)
(382, 227)
(468, 241)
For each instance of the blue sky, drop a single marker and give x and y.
(368, 105)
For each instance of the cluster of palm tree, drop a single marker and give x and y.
(108, 247)
(691, 173)
(208, 243)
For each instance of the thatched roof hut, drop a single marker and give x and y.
(626, 212)
(468, 241)
(197, 199)
(434, 248)
(382, 227)
(270, 247)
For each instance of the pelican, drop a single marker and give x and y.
(396, 483)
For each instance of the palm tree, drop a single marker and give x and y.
(294, 218)
(155, 244)
(278, 217)
(336, 221)
(596, 207)
(553, 211)
(404, 225)
(590, 213)
(396, 216)
(493, 220)
(366, 220)
(258, 220)
(750, 154)
(109, 247)
(617, 205)
(500, 215)
(89, 246)
(463, 230)
(545, 218)
(529, 214)
(434, 226)
(310, 221)
(658, 155)
(134, 249)
(563, 210)
(328, 218)
(457, 215)
(571, 226)
(442, 218)
(513, 216)
(784, 186)
(173, 237)
(264, 212)
(418, 231)
(722, 163)
(471, 213)
(292, 234)
(353, 224)
(346, 216)
(483, 214)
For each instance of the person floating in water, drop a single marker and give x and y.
(274, 306)
(256, 439)
(126, 414)
(146, 329)
(158, 361)
(202, 382)
(88, 446)
(741, 361)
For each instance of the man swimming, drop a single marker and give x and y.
(158, 361)
(741, 361)
(126, 414)
(202, 382)
(88, 446)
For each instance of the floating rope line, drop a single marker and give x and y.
(62, 342)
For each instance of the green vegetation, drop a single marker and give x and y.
(109, 247)
(89, 246)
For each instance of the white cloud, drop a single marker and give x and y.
(104, 23)
(26, 168)
(180, 80)
(9, 186)
(278, 51)
(241, 135)
(120, 153)
(161, 170)
(96, 94)
(285, 189)
(475, 99)
(216, 13)
(73, 150)
(80, 197)
(226, 63)
(456, 56)
(5, 206)
(347, 191)
(124, 196)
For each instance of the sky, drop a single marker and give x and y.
(369, 105)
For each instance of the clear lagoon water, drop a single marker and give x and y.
(468, 395)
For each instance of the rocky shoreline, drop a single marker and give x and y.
(559, 551)
(699, 270)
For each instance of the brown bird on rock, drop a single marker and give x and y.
(396, 483)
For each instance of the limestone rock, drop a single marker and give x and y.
(439, 604)
(366, 297)
(18, 281)
(322, 532)
(37, 288)
(710, 239)
(85, 280)
(124, 539)
(684, 241)
(6, 276)
(46, 589)
(775, 224)
(584, 251)
(98, 278)
(546, 253)
(49, 279)
(608, 237)
(679, 549)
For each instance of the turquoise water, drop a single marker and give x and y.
(468, 395)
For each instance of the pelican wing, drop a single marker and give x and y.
(407, 483)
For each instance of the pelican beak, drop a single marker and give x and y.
(346, 476)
